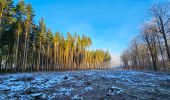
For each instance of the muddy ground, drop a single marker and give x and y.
(86, 85)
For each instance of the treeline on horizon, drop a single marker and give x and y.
(26, 46)
(150, 50)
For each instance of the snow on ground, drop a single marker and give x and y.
(87, 84)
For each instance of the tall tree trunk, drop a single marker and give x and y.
(42, 58)
(153, 59)
(161, 52)
(25, 52)
(16, 54)
(48, 52)
(55, 55)
(39, 57)
(2, 8)
(165, 39)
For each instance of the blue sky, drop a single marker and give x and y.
(110, 23)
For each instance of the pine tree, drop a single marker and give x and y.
(7, 36)
(28, 26)
(56, 40)
(49, 45)
(19, 14)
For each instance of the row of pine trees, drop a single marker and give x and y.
(26, 46)
(150, 50)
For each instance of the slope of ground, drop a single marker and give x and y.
(88, 84)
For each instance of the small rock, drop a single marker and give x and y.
(37, 95)
(30, 90)
(25, 79)
(88, 83)
(6, 90)
(65, 77)
(114, 91)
